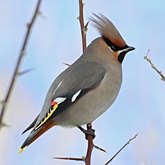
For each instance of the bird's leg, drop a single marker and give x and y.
(87, 132)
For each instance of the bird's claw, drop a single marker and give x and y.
(87, 132)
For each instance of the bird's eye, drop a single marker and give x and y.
(113, 47)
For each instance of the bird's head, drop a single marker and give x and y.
(111, 37)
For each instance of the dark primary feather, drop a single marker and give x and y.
(31, 125)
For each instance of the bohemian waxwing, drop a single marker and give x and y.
(88, 87)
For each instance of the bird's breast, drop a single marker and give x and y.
(95, 102)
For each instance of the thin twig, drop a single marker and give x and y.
(20, 57)
(154, 67)
(121, 149)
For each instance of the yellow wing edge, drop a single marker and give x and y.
(51, 111)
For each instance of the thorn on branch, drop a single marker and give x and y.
(154, 67)
(69, 158)
(85, 29)
(66, 64)
(41, 15)
(28, 24)
(25, 72)
(99, 148)
(4, 125)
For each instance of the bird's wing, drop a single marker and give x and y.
(70, 86)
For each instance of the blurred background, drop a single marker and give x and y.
(56, 39)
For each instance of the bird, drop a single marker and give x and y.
(88, 87)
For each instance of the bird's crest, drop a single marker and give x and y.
(108, 31)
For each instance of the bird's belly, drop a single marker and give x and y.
(91, 105)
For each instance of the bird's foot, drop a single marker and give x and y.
(87, 132)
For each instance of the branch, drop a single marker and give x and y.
(20, 57)
(87, 158)
(121, 149)
(154, 67)
(90, 146)
(82, 26)
(83, 36)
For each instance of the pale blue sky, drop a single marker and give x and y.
(55, 39)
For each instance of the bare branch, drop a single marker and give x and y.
(83, 36)
(121, 149)
(82, 26)
(90, 146)
(20, 57)
(154, 67)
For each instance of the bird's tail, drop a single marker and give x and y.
(35, 134)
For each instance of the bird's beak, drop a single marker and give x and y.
(129, 48)
(126, 50)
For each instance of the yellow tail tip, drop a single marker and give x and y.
(22, 149)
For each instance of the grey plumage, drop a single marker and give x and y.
(94, 80)
(68, 86)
